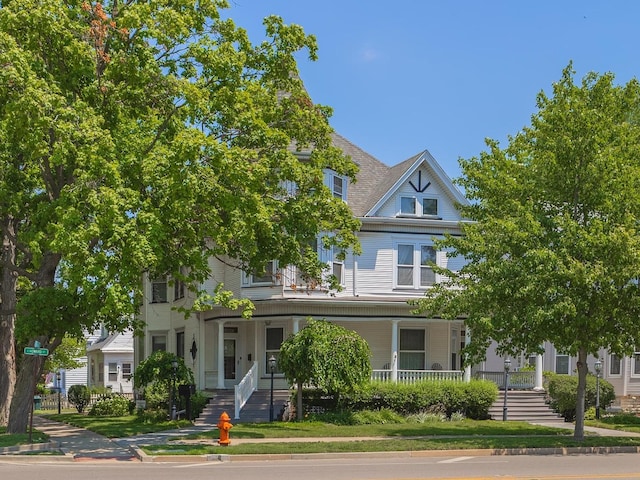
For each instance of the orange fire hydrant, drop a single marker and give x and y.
(224, 425)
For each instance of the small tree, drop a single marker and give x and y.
(326, 356)
(157, 370)
(79, 397)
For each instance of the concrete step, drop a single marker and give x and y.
(256, 410)
(524, 406)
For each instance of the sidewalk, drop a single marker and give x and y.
(79, 444)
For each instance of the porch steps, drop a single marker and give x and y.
(256, 409)
(525, 406)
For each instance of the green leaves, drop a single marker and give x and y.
(553, 244)
(326, 356)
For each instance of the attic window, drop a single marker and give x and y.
(338, 187)
(429, 206)
(419, 206)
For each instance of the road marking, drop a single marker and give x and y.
(454, 460)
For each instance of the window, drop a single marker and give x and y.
(178, 289)
(562, 364)
(266, 277)
(338, 187)
(412, 354)
(180, 344)
(274, 338)
(408, 206)
(101, 372)
(429, 206)
(615, 364)
(159, 290)
(407, 272)
(419, 206)
(126, 371)
(113, 372)
(337, 265)
(635, 364)
(158, 342)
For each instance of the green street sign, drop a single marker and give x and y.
(36, 351)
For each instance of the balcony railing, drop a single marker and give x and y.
(413, 376)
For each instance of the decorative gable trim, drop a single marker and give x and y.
(425, 158)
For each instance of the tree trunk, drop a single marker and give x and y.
(578, 433)
(8, 301)
(30, 371)
(299, 414)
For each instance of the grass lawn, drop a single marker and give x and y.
(115, 427)
(7, 440)
(394, 436)
(387, 445)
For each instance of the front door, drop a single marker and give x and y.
(229, 359)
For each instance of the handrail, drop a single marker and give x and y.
(244, 389)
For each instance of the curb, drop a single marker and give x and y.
(562, 451)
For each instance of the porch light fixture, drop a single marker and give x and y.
(272, 369)
(598, 367)
(507, 367)
(194, 349)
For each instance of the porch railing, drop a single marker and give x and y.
(517, 380)
(245, 388)
(413, 376)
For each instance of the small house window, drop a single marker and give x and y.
(113, 372)
(126, 371)
(158, 342)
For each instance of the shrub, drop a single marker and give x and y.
(471, 399)
(114, 406)
(563, 392)
(79, 397)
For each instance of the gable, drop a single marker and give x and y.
(421, 190)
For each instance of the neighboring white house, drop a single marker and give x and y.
(110, 362)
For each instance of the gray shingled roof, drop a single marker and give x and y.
(371, 178)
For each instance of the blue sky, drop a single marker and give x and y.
(410, 75)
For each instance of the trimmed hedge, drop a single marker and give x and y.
(472, 399)
(563, 392)
(79, 396)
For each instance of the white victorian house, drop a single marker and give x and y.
(402, 209)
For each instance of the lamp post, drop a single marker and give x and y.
(272, 369)
(507, 367)
(174, 366)
(598, 367)
(59, 388)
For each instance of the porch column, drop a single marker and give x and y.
(220, 354)
(467, 367)
(202, 343)
(394, 350)
(538, 380)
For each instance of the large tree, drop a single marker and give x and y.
(552, 241)
(146, 136)
(325, 356)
